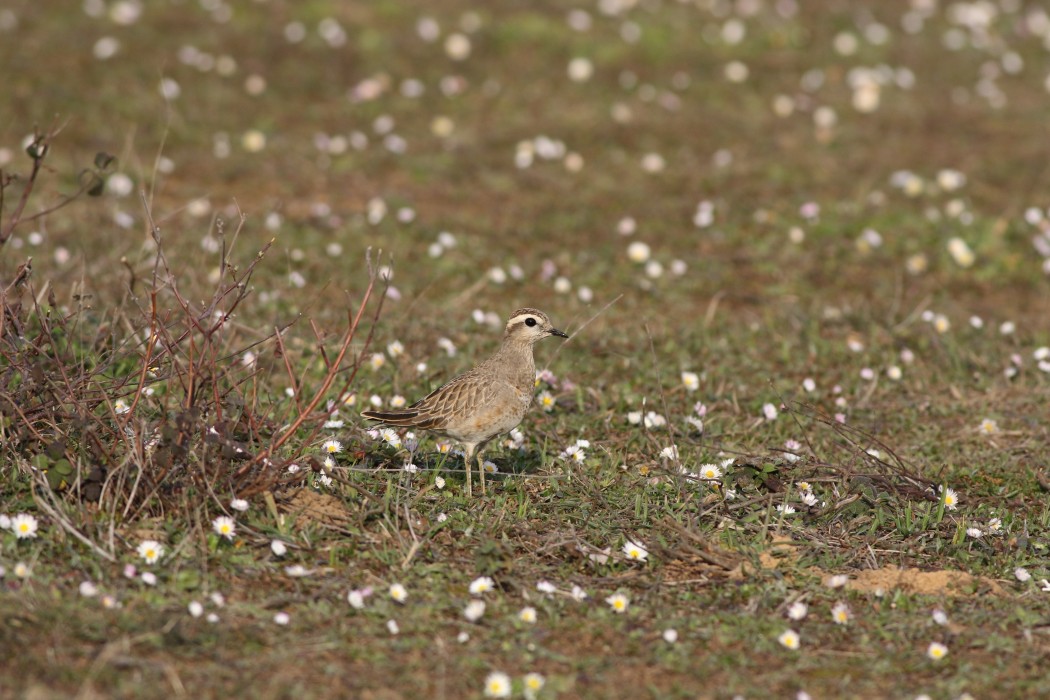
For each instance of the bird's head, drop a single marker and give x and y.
(530, 325)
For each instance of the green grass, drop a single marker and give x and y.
(754, 314)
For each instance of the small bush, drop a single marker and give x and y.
(159, 397)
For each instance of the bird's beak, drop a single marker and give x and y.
(555, 331)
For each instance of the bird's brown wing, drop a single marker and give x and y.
(456, 399)
(436, 409)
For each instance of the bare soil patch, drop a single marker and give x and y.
(943, 582)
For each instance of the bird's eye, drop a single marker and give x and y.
(530, 322)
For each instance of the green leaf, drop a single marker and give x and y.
(56, 480)
(56, 449)
(188, 579)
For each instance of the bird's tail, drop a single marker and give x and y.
(407, 417)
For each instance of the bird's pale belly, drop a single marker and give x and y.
(495, 418)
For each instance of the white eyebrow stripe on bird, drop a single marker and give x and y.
(520, 318)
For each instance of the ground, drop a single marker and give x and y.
(803, 252)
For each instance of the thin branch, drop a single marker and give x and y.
(64, 522)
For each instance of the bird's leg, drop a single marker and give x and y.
(468, 463)
(481, 468)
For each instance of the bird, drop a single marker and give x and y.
(485, 402)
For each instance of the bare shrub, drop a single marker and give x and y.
(161, 399)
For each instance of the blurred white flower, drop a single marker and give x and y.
(497, 685)
(24, 526)
(580, 70)
(474, 610)
(638, 252)
(798, 610)
(150, 551)
(635, 551)
(224, 526)
(457, 47)
(961, 253)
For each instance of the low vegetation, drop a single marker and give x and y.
(796, 444)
